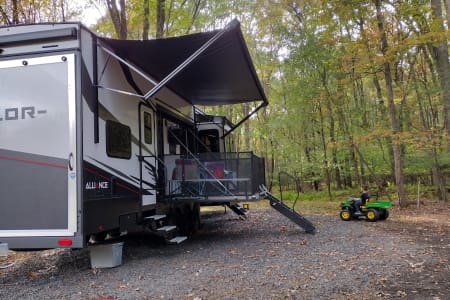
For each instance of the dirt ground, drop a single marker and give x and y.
(429, 228)
(263, 257)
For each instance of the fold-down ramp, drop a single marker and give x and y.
(286, 211)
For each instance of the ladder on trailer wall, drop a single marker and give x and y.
(286, 211)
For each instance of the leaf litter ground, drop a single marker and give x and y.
(263, 257)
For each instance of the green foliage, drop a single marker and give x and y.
(321, 65)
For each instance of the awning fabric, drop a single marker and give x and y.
(222, 74)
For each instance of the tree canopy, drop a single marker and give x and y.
(359, 91)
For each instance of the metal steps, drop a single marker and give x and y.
(155, 217)
(167, 228)
(239, 210)
(156, 224)
(177, 240)
(288, 212)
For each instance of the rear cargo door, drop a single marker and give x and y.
(38, 195)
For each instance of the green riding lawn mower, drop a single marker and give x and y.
(373, 210)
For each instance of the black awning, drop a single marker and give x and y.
(222, 74)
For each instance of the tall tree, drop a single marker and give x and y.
(396, 149)
(146, 23)
(160, 18)
(118, 13)
(441, 57)
(15, 12)
(447, 10)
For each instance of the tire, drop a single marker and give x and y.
(372, 215)
(384, 214)
(187, 219)
(345, 215)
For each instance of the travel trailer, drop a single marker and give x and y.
(100, 137)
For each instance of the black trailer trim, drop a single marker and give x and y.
(95, 88)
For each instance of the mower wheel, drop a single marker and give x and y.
(384, 214)
(372, 215)
(345, 215)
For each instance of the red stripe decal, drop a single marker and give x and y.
(33, 162)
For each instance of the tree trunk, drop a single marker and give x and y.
(146, 23)
(443, 66)
(337, 170)
(447, 10)
(354, 160)
(195, 12)
(160, 18)
(4, 16)
(247, 134)
(379, 99)
(63, 10)
(325, 156)
(351, 148)
(348, 173)
(396, 149)
(15, 12)
(123, 18)
(438, 179)
(428, 123)
(329, 106)
(272, 165)
(118, 17)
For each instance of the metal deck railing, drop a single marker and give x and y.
(214, 177)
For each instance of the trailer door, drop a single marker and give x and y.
(38, 161)
(148, 153)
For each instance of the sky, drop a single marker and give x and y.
(92, 11)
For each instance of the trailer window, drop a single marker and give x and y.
(148, 134)
(118, 140)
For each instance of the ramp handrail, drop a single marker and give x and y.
(297, 186)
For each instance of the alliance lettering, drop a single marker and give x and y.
(97, 185)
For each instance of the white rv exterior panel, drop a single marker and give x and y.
(118, 101)
(38, 146)
(31, 103)
(115, 107)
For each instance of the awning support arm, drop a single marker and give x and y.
(264, 104)
(137, 70)
(190, 59)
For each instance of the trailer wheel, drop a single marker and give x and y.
(196, 217)
(187, 218)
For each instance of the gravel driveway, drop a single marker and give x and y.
(263, 257)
